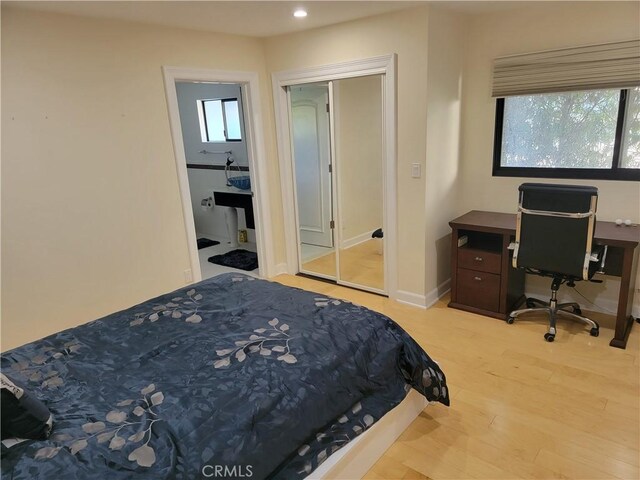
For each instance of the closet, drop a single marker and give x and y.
(337, 145)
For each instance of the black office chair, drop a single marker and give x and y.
(554, 238)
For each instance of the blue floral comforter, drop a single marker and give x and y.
(234, 375)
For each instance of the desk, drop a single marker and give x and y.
(483, 280)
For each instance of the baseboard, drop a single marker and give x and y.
(410, 298)
(351, 242)
(424, 301)
(437, 293)
(279, 269)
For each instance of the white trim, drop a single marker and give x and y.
(383, 65)
(413, 299)
(437, 293)
(355, 459)
(336, 71)
(358, 239)
(335, 191)
(424, 301)
(389, 193)
(256, 152)
(279, 269)
(283, 141)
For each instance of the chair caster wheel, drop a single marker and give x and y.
(549, 337)
(594, 332)
(577, 311)
(510, 320)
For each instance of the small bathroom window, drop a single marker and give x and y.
(220, 120)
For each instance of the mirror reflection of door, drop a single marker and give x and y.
(312, 158)
(358, 131)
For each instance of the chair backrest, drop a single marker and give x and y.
(555, 228)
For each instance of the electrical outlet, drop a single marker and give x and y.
(188, 276)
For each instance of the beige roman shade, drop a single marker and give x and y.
(609, 65)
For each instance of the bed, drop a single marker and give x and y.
(231, 377)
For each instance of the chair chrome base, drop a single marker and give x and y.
(553, 309)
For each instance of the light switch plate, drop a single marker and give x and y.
(416, 170)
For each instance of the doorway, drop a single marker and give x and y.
(219, 151)
(214, 137)
(337, 149)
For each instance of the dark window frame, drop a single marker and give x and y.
(222, 101)
(613, 173)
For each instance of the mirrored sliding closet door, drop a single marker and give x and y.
(337, 141)
(310, 132)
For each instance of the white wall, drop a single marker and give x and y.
(404, 33)
(91, 213)
(443, 194)
(541, 27)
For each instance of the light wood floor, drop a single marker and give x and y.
(362, 264)
(521, 407)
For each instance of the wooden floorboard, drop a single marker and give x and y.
(521, 407)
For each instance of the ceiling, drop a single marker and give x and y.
(252, 18)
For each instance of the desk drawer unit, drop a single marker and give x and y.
(483, 281)
(480, 260)
(478, 289)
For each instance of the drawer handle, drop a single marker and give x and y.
(478, 259)
(477, 279)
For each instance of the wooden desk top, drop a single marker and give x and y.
(494, 222)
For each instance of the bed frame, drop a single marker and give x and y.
(356, 459)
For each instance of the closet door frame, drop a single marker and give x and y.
(383, 65)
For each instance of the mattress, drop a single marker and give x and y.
(231, 377)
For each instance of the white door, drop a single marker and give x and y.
(311, 152)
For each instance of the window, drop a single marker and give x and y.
(220, 120)
(582, 134)
(630, 157)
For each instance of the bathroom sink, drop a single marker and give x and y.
(227, 197)
(243, 182)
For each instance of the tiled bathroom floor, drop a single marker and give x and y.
(209, 269)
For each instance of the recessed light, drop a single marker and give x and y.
(300, 13)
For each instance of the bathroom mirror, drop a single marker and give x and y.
(337, 145)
